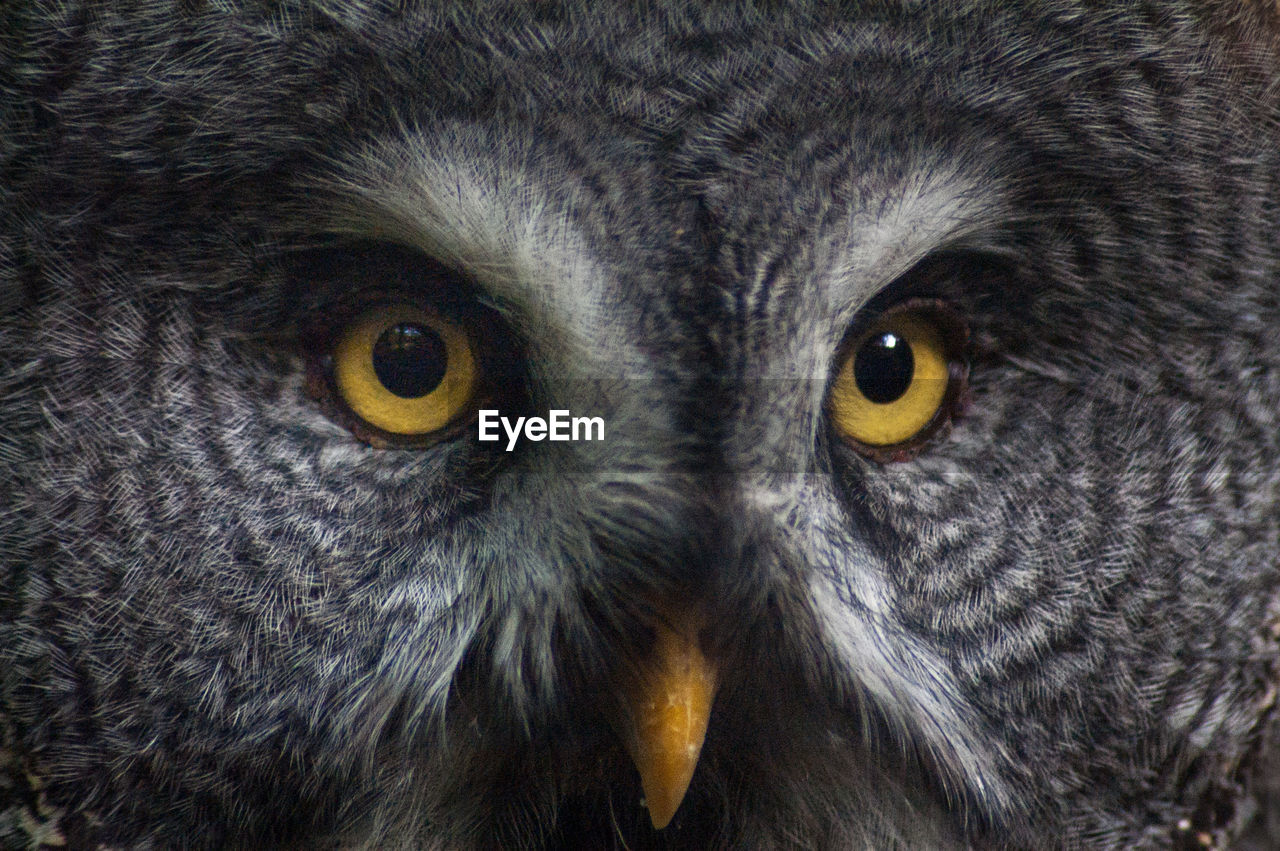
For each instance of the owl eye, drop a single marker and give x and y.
(404, 370)
(898, 382)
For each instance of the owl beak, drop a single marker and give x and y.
(670, 706)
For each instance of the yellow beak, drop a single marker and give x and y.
(670, 707)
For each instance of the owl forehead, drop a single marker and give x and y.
(601, 169)
(586, 259)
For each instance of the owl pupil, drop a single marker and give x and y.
(409, 359)
(883, 368)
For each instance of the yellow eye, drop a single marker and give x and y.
(896, 382)
(405, 370)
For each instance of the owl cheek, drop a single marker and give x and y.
(669, 705)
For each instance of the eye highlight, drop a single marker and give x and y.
(897, 383)
(405, 370)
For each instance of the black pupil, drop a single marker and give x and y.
(409, 359)
(883, 368)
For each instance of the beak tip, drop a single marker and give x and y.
(664, 790)
(661, 817)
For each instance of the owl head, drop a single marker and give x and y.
(677, 425)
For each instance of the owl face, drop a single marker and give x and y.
(926, 366)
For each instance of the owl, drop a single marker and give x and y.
(678, 425)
